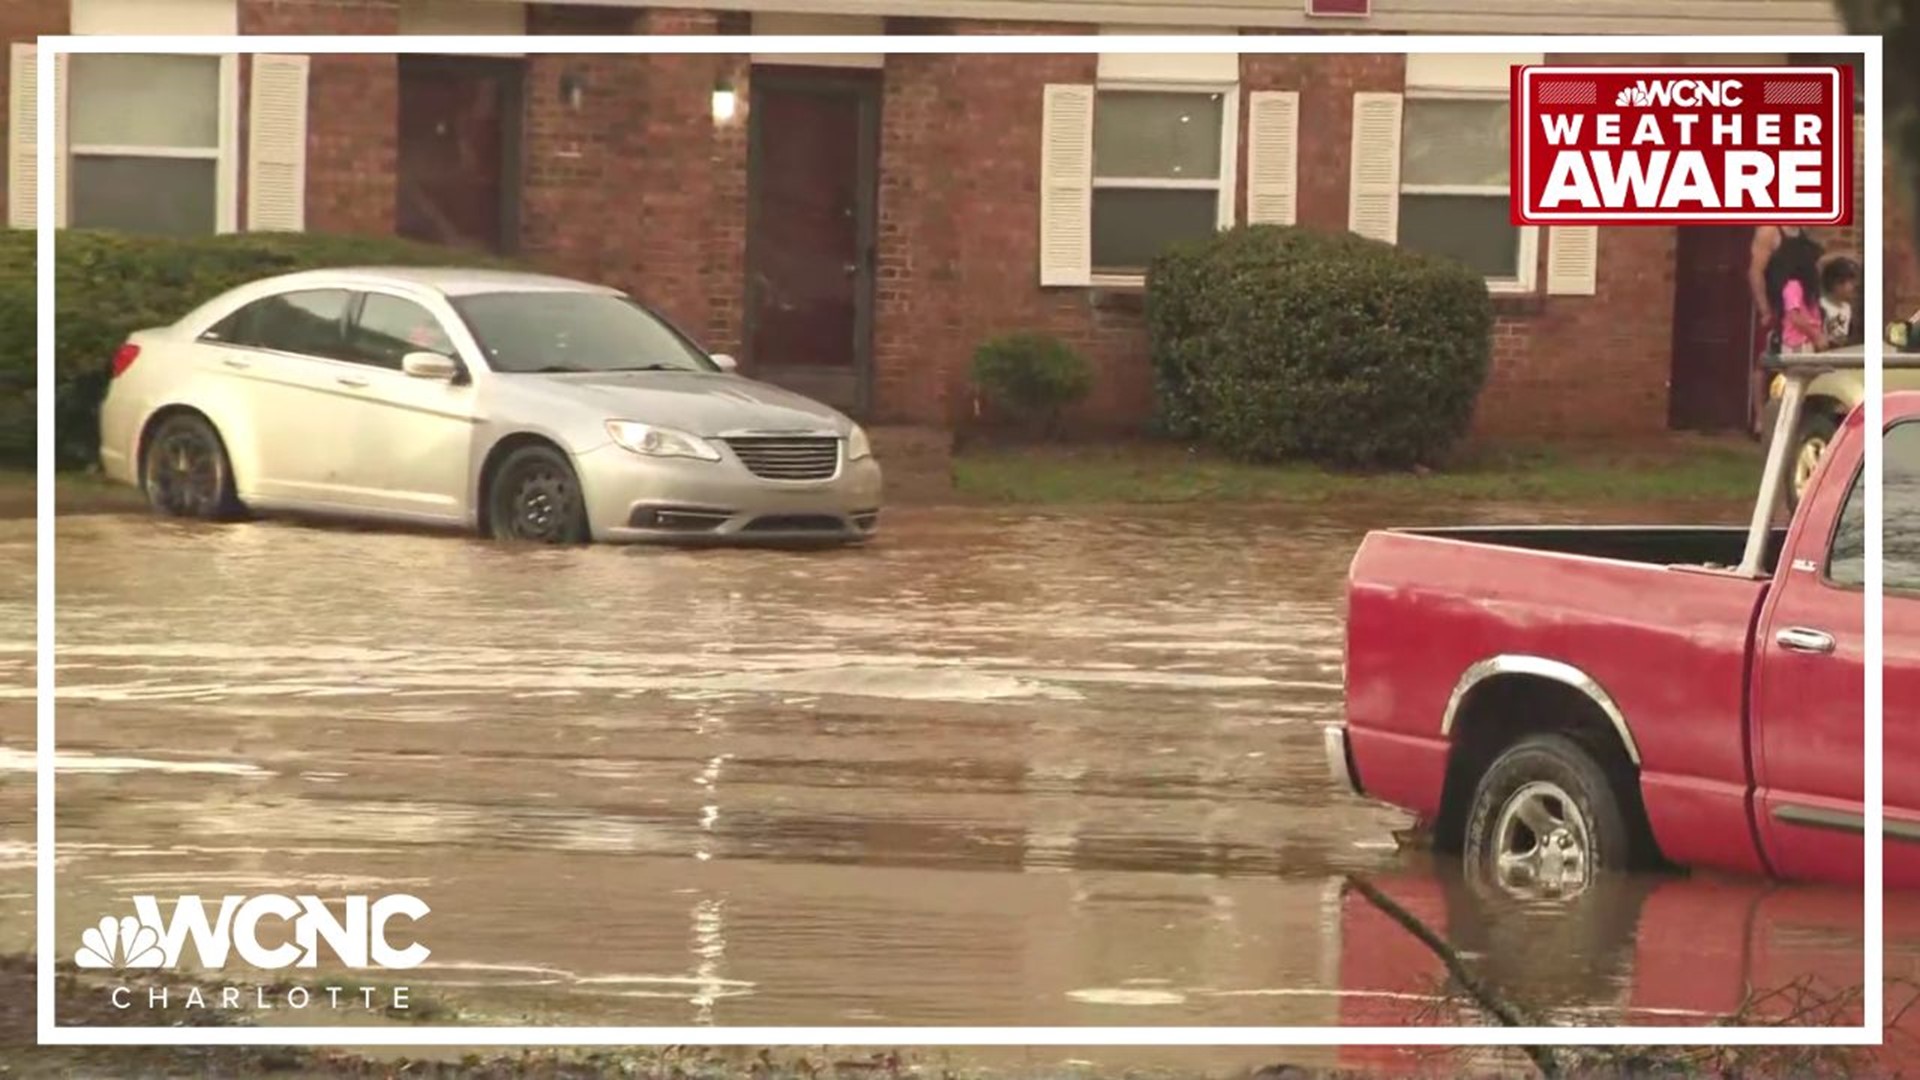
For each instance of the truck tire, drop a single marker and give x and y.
(1810, 444)
(1546, 819)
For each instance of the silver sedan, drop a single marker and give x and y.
(517, 405)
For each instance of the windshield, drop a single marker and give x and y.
(574, 332)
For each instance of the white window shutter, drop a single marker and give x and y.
(1373, 194)
(1273, 157)
(23, 139)
(1066, 186)
(277, 144)
(1573, 260)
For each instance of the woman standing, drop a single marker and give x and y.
(1779, 255)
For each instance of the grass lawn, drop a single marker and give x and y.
(1672, 469)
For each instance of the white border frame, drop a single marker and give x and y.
(49, 1033)
(1688, 217)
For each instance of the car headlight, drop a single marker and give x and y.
(857, 445)
(656, 441)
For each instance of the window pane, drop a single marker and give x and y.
(389, 328)
(1163, 136)
(1454, 142)
(1900, 510)
(298, 322)
(1132, 225)
(171, 101)
(175, 196)
(1470, 228)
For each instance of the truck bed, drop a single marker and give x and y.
(1657, 545)
(1632, 609)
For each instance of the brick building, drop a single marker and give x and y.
(853, 225)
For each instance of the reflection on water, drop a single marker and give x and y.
(997, 768)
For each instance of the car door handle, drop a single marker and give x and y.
(1801, 639)
(236, 363)
(355, 381)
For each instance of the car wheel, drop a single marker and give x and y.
(535, 496)
(1809, 446)
(186, 472)
(1546, 819)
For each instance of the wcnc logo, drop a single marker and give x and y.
(358, 936)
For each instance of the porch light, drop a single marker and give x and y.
(725, 102)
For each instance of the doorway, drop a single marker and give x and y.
(1715, 331)
(812, 197)
(459, 159)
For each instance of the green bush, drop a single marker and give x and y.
(107, 285)
(1031, 376)
(1271, 343)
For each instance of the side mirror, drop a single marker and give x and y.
(727, 363)
(427, 365)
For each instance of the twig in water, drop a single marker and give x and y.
(1489, 999)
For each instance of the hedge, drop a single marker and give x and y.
(107, 285)
(1273, 343)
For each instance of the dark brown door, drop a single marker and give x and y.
(1715, 334)
(810, 231)
(459, 150)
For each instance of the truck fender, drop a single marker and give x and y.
(1541, 668)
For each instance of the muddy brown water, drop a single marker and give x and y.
(997, 768)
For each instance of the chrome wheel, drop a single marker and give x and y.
(1806, 460)
(1542, 844)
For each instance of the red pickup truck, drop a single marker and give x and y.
(1555, 703)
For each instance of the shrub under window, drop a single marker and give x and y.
(1274, 343)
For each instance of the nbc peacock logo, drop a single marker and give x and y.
(125, 942)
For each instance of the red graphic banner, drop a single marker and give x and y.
(1682, 145)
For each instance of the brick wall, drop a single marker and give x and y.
(353, 121)
(638, 186)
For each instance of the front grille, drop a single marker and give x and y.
(794, 523)
(788, 457)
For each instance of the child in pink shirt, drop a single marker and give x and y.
(1802, 324)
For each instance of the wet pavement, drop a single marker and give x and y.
(998, 768)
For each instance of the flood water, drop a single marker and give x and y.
(997, 768)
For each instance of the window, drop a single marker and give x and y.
(306, 322)
(1900, 520)
(575, 332)
(1454, 171)
(1160, 173)
(1454, 166)
(147, 138)
(390, 327)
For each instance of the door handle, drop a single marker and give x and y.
(236, 363)
(1801, 639)
(354, 381)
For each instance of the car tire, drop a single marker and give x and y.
(535, 497)
(1546, 819)
(1810, 443)
(185, 472)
